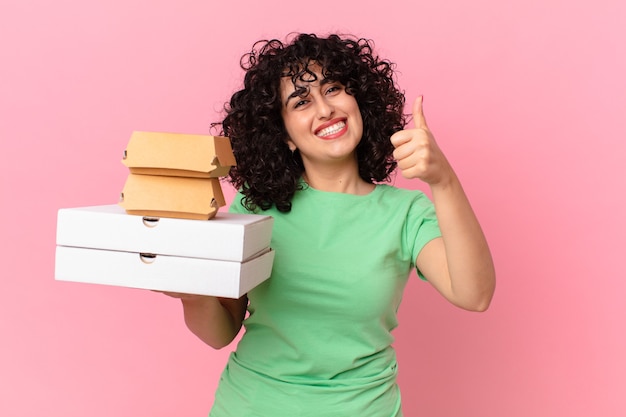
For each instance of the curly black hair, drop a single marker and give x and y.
(267, 173)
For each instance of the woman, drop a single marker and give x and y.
(316, 129)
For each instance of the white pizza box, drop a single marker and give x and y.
(162, 272)
(227, 236)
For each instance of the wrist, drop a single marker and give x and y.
(447, 181)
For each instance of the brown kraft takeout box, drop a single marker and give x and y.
(178, 154)
(175, 174)
(179, 197)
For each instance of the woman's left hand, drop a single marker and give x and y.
(461, 269)
(417, 152)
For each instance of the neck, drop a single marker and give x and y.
(339, 180)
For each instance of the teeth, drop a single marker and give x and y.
(331, 129)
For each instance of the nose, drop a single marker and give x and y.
(324, 109)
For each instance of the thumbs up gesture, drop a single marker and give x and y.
(417, 153)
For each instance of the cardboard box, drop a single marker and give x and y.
(225, 257)
(179, 197)
(177, 154)
(228, 236)
(162, 272)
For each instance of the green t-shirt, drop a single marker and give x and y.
(317, 340)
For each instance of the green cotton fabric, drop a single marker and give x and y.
(318, 338)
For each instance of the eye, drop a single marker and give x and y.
(334, 88)
(300, 103)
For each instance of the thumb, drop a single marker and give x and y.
(418, 113)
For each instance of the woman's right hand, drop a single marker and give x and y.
(183, 296)
(214, 320)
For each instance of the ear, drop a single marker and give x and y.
(291, 144)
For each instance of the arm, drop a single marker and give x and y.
(216, 321)
(459, 264)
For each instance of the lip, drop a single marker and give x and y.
(331, 123)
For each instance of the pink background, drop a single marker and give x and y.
(527, 98)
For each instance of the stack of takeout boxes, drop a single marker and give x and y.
(175, 175)
(155, 238)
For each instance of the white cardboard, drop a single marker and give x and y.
(161, 272)
(227, 236)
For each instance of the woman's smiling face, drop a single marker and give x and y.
(322, 120)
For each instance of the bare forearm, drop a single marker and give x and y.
(469, 262)
(211, 321)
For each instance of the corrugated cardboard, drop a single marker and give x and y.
(179, 197)
(178, 154)
(228, 236)
(162, 272)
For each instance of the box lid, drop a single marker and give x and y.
(178, 154)
(180, 197)
(227, 236)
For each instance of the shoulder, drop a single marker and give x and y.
(237, 206)
(408, 196)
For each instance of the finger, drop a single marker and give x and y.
(418, 113)
(400, 137)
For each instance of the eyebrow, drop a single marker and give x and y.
(298, 90)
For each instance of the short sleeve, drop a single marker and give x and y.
(421, 226)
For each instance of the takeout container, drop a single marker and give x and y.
(226, 256)
(175, 174)
(178, 197)
(178, 154)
